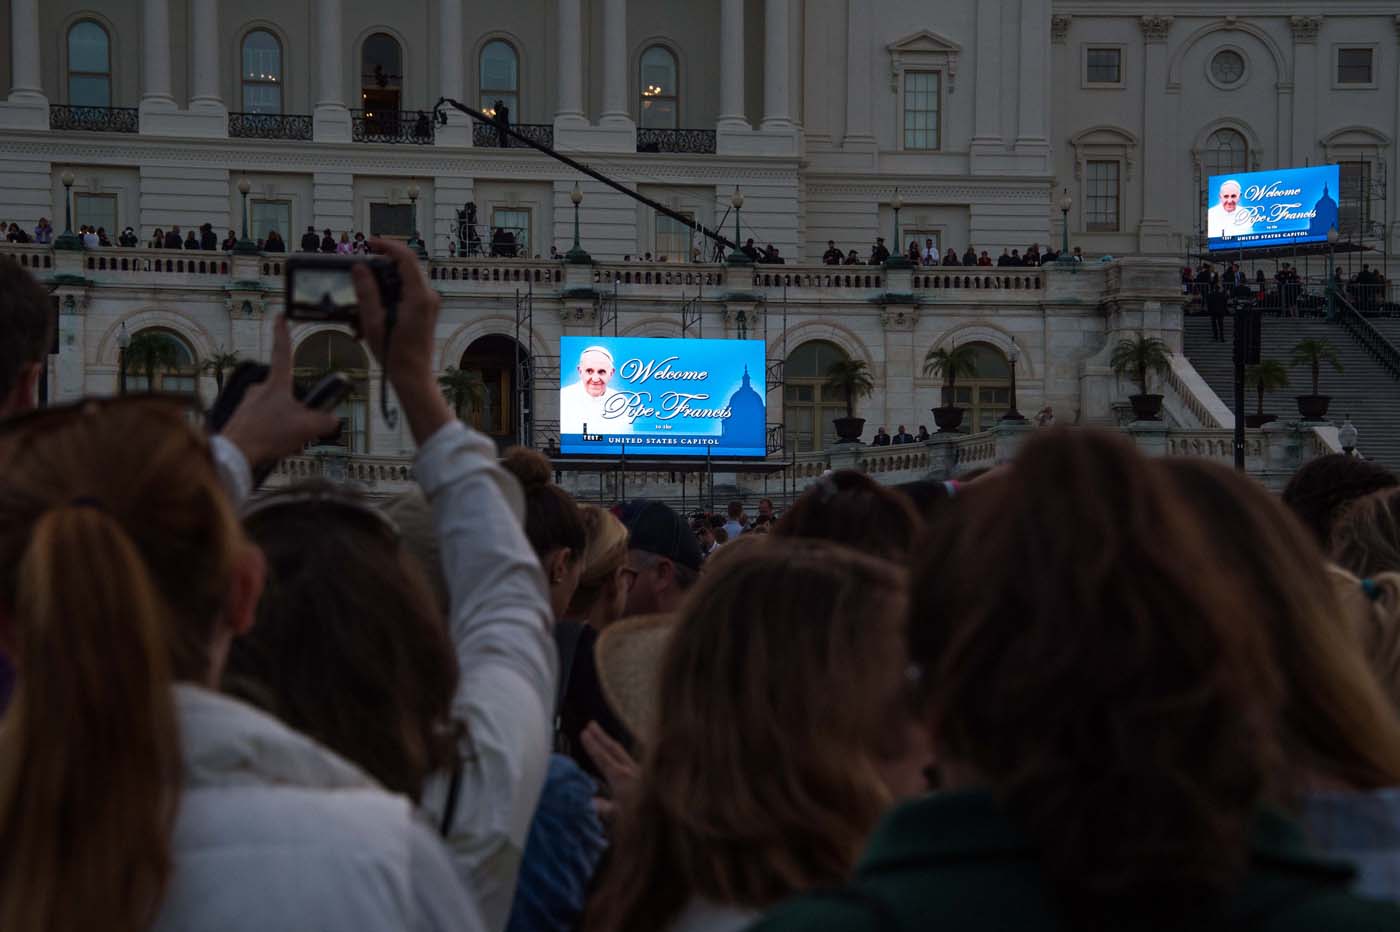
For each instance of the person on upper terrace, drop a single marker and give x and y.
(833, 255)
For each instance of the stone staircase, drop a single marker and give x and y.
(1365, 391)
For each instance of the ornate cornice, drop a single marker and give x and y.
(1059, 27)
(1304, 28)
(1155, 28)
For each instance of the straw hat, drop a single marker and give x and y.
(629, 655)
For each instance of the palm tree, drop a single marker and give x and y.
(1140, 355)
(149, 352)
(1266, 376)
(850, 377)
(951, 362)
(1314, 353)
(464, 389)
(217, 364)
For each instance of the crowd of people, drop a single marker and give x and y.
(927, 255)
(1085, 689)
(1286, 291)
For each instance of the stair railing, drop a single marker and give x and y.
(1365, 333)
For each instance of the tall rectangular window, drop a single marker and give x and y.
(1354, 66)
(1103, 66)
(394, 220)
(672, 239)
(1101, 202)
(264, 216)
(1354, 199)
(512, 225)
(98, 211)
(921, 117)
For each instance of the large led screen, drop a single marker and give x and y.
(646, 396)
(1276, 208)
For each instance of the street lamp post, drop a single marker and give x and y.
(1066, 202)
(577, 255)
(67, 239)
(1012, 414)
(245, 246)
(122, 342)
(1346, 436)
(897, 259)
(1332, 238)
(737, 256)
(416, 241)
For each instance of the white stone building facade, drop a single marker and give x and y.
(975, 118)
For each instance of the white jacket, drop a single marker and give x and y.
(500, 619)
(275, 832)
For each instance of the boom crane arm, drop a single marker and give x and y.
(510, 131)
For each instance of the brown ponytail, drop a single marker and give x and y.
(116, 549)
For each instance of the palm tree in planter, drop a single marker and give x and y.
(851, 379)
(463, 389)
(1314, 353)
(950, 362)
(217, 364)
(150, 352)
(1138, 357)
(1266, 376)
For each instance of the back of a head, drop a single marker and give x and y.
(1366, 537)
(1372, 604)
(117, 553)
(604, 553)
(1336, 724)
(349, 647)
(735, 509)
(850, 508)
(1081, 654)
(759, 780)
(551, 514)
(26, 327)
(1321, 489)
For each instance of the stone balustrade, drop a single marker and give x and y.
(170, 265)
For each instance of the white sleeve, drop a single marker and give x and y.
(235, 475)
(501, 624)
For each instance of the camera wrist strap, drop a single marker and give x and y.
(391, 317)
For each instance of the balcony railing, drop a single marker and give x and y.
(675, 140)
(94, 119)
(392, 126)
(485, 135)
(270, 125)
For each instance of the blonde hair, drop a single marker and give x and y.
(604, 553)
(124, 501)
(1372, 605)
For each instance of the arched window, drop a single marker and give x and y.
(809, 406)
(89, 65)
(985, 396)
(500, 78)
(495, 358)
(660, 95)
(332, 351)
(1225, 153)
(262, 72)
(160, 360)
(381, 83)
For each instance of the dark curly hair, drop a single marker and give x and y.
(1320, 490)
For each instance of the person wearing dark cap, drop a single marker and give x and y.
(663, 554)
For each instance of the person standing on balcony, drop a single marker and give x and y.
(208, 239)
(502, 123)
(274, 242)
(173, 239)
(832, 256)
(191, 241)
(344, 247)
(879, 252)
(310, 242)
(43, 233)
(327, 241)
(930, 256)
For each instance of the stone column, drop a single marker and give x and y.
(731, 66)
(1031, 112)
(204, 23)
(155, 56)
(899, 322)
(615, 58)
(25, 84)
(776, 104)
(451, 73)
(331, 122)
(986, 122)
(1305, 83)
(1154, 234)
(570, 107)
(859, 95)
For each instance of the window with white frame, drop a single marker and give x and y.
(922, 128)
(89, 65)
(1356, 66)
(510, 231)
(392, 220)
(98, 211)
(331, 351)
(673, 238)
(657, 81)
(160, 360)
(1102, 201)
(1103, 65)
(500, 78)
(262, 72)
(265, 216)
